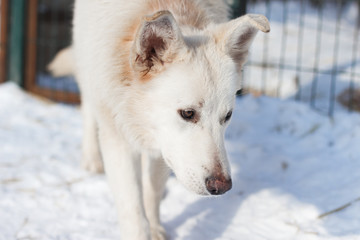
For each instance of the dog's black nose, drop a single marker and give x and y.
(218, 185)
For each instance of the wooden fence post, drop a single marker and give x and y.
(4, 7)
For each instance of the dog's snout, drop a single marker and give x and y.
(218, 185)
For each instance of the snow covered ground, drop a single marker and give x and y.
(291, 165)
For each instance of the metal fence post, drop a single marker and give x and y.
(16, 41)
(239, 8)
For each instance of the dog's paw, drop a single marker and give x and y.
(158, 233)
(93, 166)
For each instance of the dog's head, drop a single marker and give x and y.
(188, 81)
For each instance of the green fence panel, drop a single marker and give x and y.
(16, 41)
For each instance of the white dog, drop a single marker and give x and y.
(158, 80)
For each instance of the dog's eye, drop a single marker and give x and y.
(228, 116)
(187, 114)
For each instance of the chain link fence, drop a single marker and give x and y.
(311, 54)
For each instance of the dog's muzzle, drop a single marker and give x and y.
(218, 185)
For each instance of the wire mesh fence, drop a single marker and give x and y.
(311, 54)
(53, 34)
(51, 30)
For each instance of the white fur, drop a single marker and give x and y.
(135, 123)
(63, 64)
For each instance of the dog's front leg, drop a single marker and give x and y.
(123, 169)
(91, 157)
(154, 175)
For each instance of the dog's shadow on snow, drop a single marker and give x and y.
(212, 216)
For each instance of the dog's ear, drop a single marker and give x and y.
(157, 42)
(236, 36)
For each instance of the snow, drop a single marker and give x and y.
(290, 164)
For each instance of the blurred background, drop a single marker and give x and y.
(310, 55)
